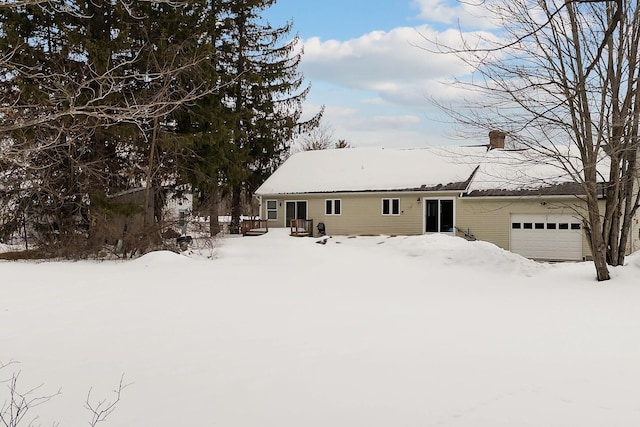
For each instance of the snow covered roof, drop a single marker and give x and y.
(373, 169)
(475, 170)
(506, 172)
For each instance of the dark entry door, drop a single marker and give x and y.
(439, 216)
(295, 210)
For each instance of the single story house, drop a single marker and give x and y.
(483, 192)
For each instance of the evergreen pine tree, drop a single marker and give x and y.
(265, 97)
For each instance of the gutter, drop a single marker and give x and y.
(362, 192)
(521, 197)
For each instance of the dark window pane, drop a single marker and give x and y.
(396, 206)
(302, 210)
(575, 226)
(385, 206)
(328, 205)
(271, 204)
(272, 215)
(563, 226)
(539, 225)
(337, 209)
(446, 216)
(290, 212)
(551, 226)
(431, 216)
(516, 225)
(528, 226)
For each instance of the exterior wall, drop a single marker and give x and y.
(361, 213)
(489, 219)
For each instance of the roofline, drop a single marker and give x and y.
(355, 192)
(470, 181)
(531, 196)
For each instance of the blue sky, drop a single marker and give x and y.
(362, 61)
(344, 19)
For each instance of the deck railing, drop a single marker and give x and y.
(302, 227)
(254, 227)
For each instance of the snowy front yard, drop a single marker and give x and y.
(368, 331)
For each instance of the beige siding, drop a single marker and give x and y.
(361, 213)
(489, 219)
(486, 219)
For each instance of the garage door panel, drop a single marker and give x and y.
(546, 237)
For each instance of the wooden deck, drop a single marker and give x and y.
(302, 227)
(254, 227)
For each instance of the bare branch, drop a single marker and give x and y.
(101, 410)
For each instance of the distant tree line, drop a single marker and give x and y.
(100, 97)
(321, 138)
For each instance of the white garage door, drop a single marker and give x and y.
(547, 237)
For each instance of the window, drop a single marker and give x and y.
(516, 225)
(390, 206)
(551, 226)
(539, 225)
(563, 226)
(528, 226)
(575, 226)
(332, 207)
(272, 210)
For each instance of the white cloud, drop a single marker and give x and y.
(378, 88)
(395, 121)
(467, 14)
(373, 101)
(394, 65)
(380, 127)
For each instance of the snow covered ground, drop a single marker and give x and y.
(368, 331)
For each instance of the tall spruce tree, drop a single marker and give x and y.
(202, 126)
(265, 96)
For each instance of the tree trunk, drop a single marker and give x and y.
(148, 212)
(596, 239)
(214, 211)
(236, 209)
(598, 249)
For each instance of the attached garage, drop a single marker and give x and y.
(546, 237)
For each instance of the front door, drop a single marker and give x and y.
(295, 210)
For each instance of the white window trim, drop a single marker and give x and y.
(333, 207)
(390, 199)
(424, 215)
(267, 210)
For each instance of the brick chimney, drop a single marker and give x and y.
(496, 139)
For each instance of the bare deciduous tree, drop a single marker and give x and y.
(321, 138)
(562, 80)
